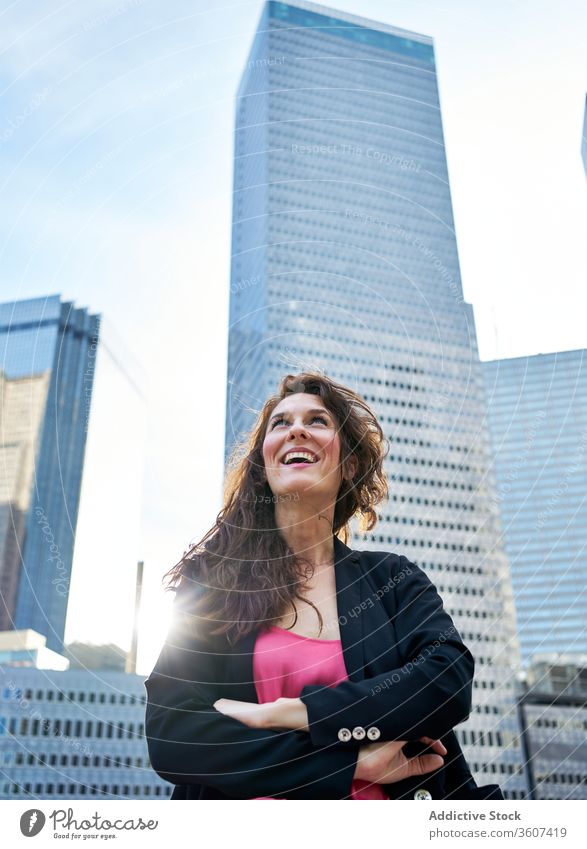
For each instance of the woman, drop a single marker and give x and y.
(297, 668)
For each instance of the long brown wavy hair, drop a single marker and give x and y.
(242, 574)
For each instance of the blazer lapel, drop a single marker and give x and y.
(348, 599)
(240, 682)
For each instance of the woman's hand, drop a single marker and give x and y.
(385, 763)
(282, 714)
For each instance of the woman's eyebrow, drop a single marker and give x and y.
(286, 413)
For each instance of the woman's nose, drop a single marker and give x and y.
(297, 429)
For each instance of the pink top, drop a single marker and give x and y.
(284, 663)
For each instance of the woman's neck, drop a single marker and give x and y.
(308, 537)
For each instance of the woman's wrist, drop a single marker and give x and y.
(290, 713)
(362, 768)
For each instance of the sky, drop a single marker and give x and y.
(116, 130)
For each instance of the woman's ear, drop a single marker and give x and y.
(352, 466)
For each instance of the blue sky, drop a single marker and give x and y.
(115, 174)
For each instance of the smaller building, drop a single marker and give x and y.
(73, 734)
(47, 368)
(553, 717)
(537, 411)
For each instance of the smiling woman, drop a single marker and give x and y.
(278, 519)
(269, 684)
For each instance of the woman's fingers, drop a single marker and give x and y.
(425, 763)
(387, 762)
(419, 765)
(422, 764)
(436, 745)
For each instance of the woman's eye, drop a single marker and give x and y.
(314, 418)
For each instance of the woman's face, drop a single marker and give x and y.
(301, 421)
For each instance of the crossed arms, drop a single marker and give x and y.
(190, 741)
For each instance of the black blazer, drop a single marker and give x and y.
(410, 675)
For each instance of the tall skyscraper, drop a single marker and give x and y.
(47, 354)
(344, 259)
(538, 421)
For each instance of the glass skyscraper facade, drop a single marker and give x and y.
(344, 259)
(47, 355)
(538, 421)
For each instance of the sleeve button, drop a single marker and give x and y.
(373, 733)
(359, 732)
(344, 735)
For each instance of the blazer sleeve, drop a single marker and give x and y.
(190, 742)
(428, 695)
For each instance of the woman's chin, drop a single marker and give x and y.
(292, 497)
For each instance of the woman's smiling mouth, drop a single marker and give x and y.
(299, 457)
